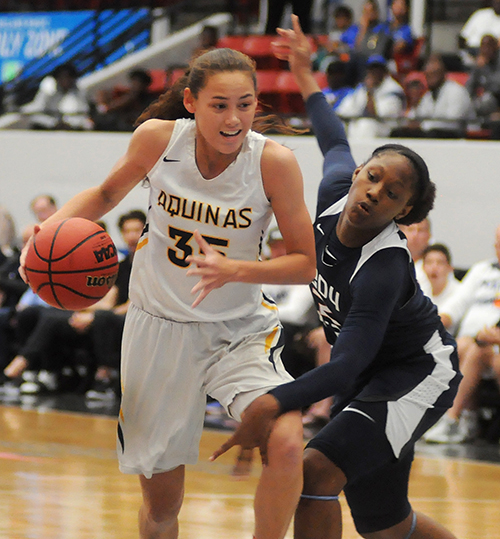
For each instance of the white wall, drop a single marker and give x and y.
(467, 175)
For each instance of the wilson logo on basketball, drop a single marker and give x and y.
(105, 253)
(109, 281)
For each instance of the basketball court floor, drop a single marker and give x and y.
(60, 480)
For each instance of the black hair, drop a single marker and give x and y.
(440, 248)
(425, 190)
(132, 214)
(343, 11)
(141, 75)
(68, 68)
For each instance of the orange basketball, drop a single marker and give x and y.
(72, 264)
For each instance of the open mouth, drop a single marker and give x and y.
(364, 207)
(230, 134)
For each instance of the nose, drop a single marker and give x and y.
(232, 117)
(373, 193)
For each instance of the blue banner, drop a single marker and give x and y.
(27, 36)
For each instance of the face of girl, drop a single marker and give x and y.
(224, 110)
(380, 192)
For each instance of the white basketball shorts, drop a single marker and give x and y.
(169, 368)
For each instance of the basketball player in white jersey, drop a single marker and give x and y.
(199, 324)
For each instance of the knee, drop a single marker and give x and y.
(321, 475)
(286, 442)
(158, 511)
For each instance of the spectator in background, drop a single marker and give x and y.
(209, 37)
(483, 84)
(341, 39)
(399, 29)
(7, 234)
(418, 236)
(276, 9)
(474, 306)
(43, 206)
(373, 38)
(119, 112)
(376, 101)
(415, 86)
(59, 103)
(337, 78)
(444, 110)
(483, 21)
(436, 263)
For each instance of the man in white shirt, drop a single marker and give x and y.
(375, 103)
(481, 22)
(445, 109)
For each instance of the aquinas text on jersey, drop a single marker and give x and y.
(203, 212)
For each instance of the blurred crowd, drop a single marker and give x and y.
(381, 79)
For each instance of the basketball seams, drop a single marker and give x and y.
(54, 278)
(76, 292)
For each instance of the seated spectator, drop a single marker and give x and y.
(209, 37)
(373, 38)
(436, 263)
(337, 79)
(59, 103)
(119, 112)
(483, 21)
(43, 206)
(50, 345)
(415, 86)
(472, 307)
(399, 29)
(7, 234)
(341, 39)
(444, 110)
(376, 101)
(483, 84)
(418, 236)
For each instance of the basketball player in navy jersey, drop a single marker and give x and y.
(394, 369)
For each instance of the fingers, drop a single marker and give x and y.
(203, 244)
(223, 448)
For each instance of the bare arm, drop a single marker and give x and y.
(145, 147)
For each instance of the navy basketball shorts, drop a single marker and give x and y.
(356, 441)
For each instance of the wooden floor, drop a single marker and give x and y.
(59, 480)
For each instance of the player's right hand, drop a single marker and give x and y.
(24, 252)
(255, 428)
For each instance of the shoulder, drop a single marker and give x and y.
(275, 155)
(149, 141)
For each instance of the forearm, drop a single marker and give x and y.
(90, 204)
(294, 268)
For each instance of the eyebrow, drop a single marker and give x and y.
(223, 98)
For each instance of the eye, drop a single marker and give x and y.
(371, 177)
(219, 106)
(392, 195)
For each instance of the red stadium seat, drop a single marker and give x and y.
(269, 96)
(231, 42)
(259, 48)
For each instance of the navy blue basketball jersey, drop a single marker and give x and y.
(373, 311)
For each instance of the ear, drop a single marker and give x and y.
(356, 172)
(404, 212)
(189, 101)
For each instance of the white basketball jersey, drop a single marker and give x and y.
(231, 211)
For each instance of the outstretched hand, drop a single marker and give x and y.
(24, 252)
(255, 428)
(214, 269)
(294, 47)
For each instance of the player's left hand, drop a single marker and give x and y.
(255, 428)
(214, 269)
